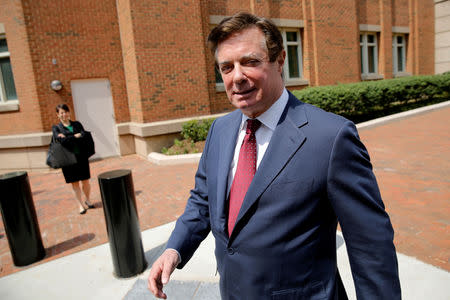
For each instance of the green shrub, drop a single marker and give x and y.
(196, 130)
(374, 98)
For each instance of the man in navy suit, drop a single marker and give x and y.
(276, 234)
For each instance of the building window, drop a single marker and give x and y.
(292, 45)
(218, 76)
(7, 87)
(369, 53)
(399, 53)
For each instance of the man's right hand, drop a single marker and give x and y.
(160, 273)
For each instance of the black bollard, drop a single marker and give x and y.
(122, 223)
(19, 219)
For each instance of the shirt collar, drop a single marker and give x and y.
(271, 116)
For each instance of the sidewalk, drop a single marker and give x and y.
(411, 159)
(88, 275)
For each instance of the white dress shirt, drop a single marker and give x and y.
(269, 120)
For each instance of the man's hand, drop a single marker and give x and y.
(160, 272)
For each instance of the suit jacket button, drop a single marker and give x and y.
(230, 251)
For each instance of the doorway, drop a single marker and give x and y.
(93, 106)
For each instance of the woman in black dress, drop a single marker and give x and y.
(69, 133)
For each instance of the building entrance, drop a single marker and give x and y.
(93, 106)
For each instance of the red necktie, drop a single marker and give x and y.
(245, 171)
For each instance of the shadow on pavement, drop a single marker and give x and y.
(69, 244)
(153, 254)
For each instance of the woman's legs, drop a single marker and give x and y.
(87, 191)
(77, 192)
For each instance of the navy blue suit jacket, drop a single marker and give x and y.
(314, 173)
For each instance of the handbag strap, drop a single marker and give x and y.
(54, 140)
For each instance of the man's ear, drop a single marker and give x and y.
(280, 60)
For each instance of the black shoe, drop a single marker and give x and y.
(89, 205)
(82, 212)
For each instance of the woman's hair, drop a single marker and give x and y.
(241, 21)
(62, 106)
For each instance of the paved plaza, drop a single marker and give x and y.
(411, 159)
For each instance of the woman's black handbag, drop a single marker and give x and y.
(59, 156)
(88, 147)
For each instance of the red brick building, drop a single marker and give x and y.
(133, 70)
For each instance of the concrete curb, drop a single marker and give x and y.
(165, 160)
(402, 115)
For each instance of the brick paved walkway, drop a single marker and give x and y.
(411, 159)
(161, 194)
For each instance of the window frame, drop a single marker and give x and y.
(365, 73)
(6, 104)
(292, 80)
(395, 46)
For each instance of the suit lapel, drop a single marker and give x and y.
(228, 136)
(286, 140)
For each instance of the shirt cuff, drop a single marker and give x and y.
(179, 256)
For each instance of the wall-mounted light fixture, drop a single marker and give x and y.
(56, 85)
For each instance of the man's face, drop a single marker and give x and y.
(252, 83)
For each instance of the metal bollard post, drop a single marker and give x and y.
(122, 223)
(19, 219)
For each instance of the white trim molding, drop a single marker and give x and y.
(372, 76)
(292, 23)
(295, 82)
(402, 74)
(368, 27)
(216, 19)
(137, 129)
(158, 128)
(25, 140)
(400, 29)
(10, 105)
(377, 28)
(220, 87)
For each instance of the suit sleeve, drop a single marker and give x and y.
(194, 225)
(368, 233)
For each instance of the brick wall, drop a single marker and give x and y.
(331, 25)
(421, 38)
(369, 12)
(385, 42)
(424, 13)
(127, 38)
(154, 52)
(169, 47)
(83, 37)
(28, 118)
(400, 13)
